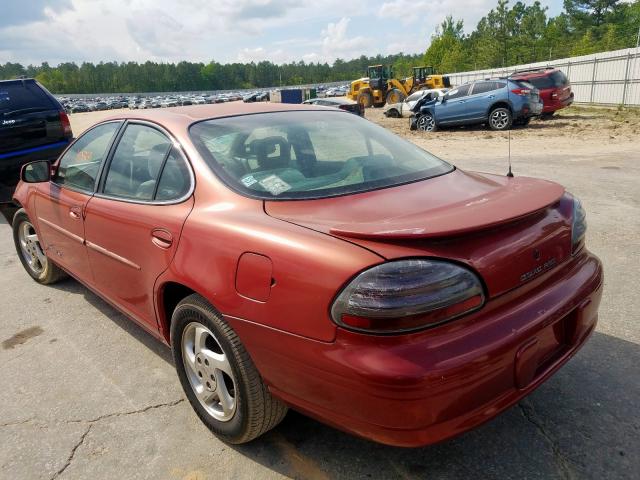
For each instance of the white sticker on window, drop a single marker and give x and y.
(248, 181)
(274, 185)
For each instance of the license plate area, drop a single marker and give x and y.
(542, 351)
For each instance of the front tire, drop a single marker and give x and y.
(500, 119)
(365, 99)
(426, 123)
(31, 253)
(218, 376)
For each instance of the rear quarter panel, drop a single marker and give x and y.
(308, 267)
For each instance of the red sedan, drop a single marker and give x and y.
(297, 256)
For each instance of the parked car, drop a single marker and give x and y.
(79, 108)
(399, 110)
(498, 103)
(304, 257)
(341, 103)
(33, 126)
(256, 97)
(554, 87)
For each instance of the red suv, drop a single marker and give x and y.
(554, 86)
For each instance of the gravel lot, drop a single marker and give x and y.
(87, 394)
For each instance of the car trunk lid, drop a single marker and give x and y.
(509, 230)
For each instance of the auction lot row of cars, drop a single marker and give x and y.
(298, 256)
(135, 102)
(91, 104)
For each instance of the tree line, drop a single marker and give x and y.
(507, 35)
(525, 34)
(114, 77)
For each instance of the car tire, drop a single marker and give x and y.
(31, 254)
(547, 115)
(523, 122)
(365, 99)
(392, 113)
(218, 376)
(395, 96)
(500, 119)
(426, 123)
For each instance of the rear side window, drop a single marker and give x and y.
(559, 78)
(541, 82)
(136, 163)
(80, 164)
(553, 80)
(484, 87)
(461, 91)
(175, 180)
(19, 96)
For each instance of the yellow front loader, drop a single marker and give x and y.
(381, 87)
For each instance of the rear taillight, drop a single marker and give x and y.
(66, 124)
(578, 226)
(406, 295)
(523, 92)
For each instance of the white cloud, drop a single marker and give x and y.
(33, 31)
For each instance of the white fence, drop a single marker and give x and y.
(607, 78)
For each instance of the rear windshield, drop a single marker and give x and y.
(18, 96)
(309, 154)
(553, 80)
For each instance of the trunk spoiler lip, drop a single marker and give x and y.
(453, 220)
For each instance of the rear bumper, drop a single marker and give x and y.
(530, 109)
(419, 389)
(558, 104)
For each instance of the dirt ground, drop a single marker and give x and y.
(85, 393)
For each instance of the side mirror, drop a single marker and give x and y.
(36, 172)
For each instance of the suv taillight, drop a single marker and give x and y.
(66, 124)
(523, 92)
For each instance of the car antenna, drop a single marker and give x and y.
(510, 173)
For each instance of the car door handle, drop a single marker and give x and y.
(75, 212)
(161, 238)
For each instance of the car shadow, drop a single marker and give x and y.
(125, 323)
(582, 423)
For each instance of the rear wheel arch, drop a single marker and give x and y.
(499, 105)
(169, 295)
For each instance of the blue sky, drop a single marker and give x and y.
(33, 31)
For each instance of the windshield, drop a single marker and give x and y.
(309, 154)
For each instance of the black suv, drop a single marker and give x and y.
(33, 126)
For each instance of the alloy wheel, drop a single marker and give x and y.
(209, 371)
(499, 119)
(426, 123)
(31, 249)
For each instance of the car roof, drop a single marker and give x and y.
(541, 72)
(182, 117)
(18, 81)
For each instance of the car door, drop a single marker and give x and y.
(60, 204)
(479, 100)
(452, 109)
(133, 222)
